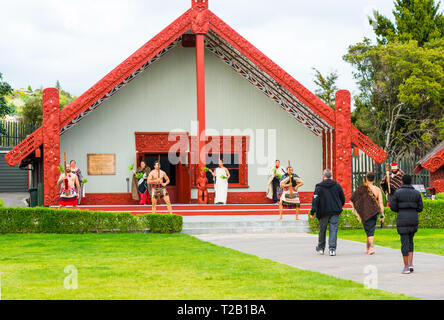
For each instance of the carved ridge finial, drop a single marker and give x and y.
(201, 4)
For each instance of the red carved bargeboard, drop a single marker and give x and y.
(369, 147)
(435, 162)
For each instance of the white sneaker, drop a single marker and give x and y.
(319, 251)
(332, 252)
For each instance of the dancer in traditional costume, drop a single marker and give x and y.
(274, 190)
(393, 182)
(159, 180)
(367, 203)
(290, 196)
(76, 171)
(69, 183)
(221, 175)
(140, 189)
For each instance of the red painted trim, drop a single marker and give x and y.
(233, 198)
(324, 151)
(434, 162)
(161, 142)
(200, 85)
(329, 150)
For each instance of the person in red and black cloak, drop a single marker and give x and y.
(70, 183)
(395, 180)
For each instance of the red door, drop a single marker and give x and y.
(184, 183)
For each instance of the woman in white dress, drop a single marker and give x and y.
(221, 185)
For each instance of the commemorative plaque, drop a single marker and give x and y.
(101, 163)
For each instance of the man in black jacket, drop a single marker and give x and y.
(327, 203)
(407, 202)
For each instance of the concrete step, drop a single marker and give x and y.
(244, 224)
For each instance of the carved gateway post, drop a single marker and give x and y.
(51, 145)
(343, 142)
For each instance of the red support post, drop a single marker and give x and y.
(51, 145)
(342, 142)
(200, 83)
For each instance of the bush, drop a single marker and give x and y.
(48, 220)
(439, 196)
(432, 216)
(1, 202)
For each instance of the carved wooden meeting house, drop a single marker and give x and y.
(196, 74)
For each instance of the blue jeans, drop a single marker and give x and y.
(331, 221)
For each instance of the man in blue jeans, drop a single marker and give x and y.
(327, 203)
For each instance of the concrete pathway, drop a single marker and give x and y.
(14, 199)
(382, 269)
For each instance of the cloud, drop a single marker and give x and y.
(79, 42)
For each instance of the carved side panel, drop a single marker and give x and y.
(51, 145)
(343, 142)
(435, 162)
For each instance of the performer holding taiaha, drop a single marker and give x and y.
(290, 182)
(159, 180)
(69, 182)
(367, 203)
(392, 181)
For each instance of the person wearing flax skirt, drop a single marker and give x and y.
(367, 203)
(407, 202)
(221, 186)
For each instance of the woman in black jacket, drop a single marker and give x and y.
(407, 202)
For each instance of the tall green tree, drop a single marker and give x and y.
(418, 20)
(326, 86)
(401, 81)
(5, 89)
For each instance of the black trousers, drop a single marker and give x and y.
(407, 243)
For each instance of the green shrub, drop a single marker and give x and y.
(432, 216)
(1, 202)
(48, 220)
(439, 196)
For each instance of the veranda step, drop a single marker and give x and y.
(289, 229)
(243, 224)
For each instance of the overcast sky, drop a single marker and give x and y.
(79, 41)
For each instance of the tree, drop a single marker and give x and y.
(400, 105)
(418, 20)
(401, 79)
(58, 86)
(5, 89)
(326, 87)
(33, 112)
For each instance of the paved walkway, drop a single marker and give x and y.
(14, 199)
(351, 262)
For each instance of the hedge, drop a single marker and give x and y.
(48, 220)
(1, 202)
(432, 216)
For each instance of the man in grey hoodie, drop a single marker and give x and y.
(327, 203)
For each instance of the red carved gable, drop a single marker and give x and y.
(200, 19)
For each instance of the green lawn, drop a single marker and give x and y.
(155, 266)
(426, 240)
